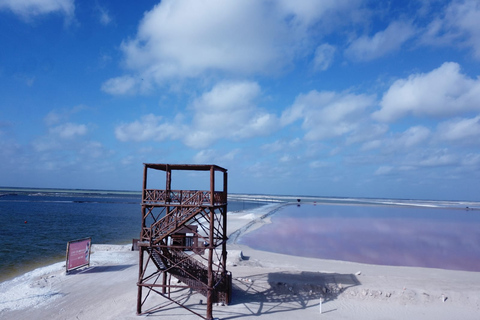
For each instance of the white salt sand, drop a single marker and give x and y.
(266, 286)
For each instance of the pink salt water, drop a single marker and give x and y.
(445, 238)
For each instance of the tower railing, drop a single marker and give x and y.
(183, 197)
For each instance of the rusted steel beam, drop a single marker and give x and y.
(193, 167)
(210, 270)
(140, 276)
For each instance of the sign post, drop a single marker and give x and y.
(78, 253)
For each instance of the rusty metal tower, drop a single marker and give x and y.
(184, 235)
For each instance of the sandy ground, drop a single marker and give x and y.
(265, 285)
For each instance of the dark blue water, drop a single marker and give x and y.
(35, 227)
(444, 238)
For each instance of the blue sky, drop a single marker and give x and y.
(348, 98)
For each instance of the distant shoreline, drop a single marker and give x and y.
(461, 204)
(270, 198)
(59, 190)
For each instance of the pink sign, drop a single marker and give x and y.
(78, 253)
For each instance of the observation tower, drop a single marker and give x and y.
(183, 236)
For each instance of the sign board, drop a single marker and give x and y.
(78, 253)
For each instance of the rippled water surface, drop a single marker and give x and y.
(36, 226)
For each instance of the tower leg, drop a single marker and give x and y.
(140, 271)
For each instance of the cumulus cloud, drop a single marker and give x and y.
(440, 158)
(149, 127)
(412, 137)
(61, 136)
(400, 142)
(31, 8)
(229, 111)
(217, 39)
(369, 132)
(391, 39)
(462, 130)
(442, 92)
(457, 24)
(120, 85)
(166, 46)
(327, 114)
(68, 130)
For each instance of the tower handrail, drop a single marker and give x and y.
(183, 197)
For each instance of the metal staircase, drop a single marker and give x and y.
(199, 264)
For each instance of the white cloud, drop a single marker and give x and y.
(462, 130)
(324, 55)
(441, 92)
(93, 149)
(370, 145)
(327, 114)
(215, 156)
(383, 170)
(368, 132)
(412, 137)
(400, 142)
(217, 37)
(442, 158)
(166, 46)
(55, 117)
(382, 43)
(31, 8)
(471, 159)
(309, 12)
(457, 24)
(318, 164)
(120, 85)
(282, 145)
(104, 16)
(68, 130)
(9, 147)
(59, 137)
(228, 111)
(149, 127)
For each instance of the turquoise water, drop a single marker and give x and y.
(35, 225)
(435, 237)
